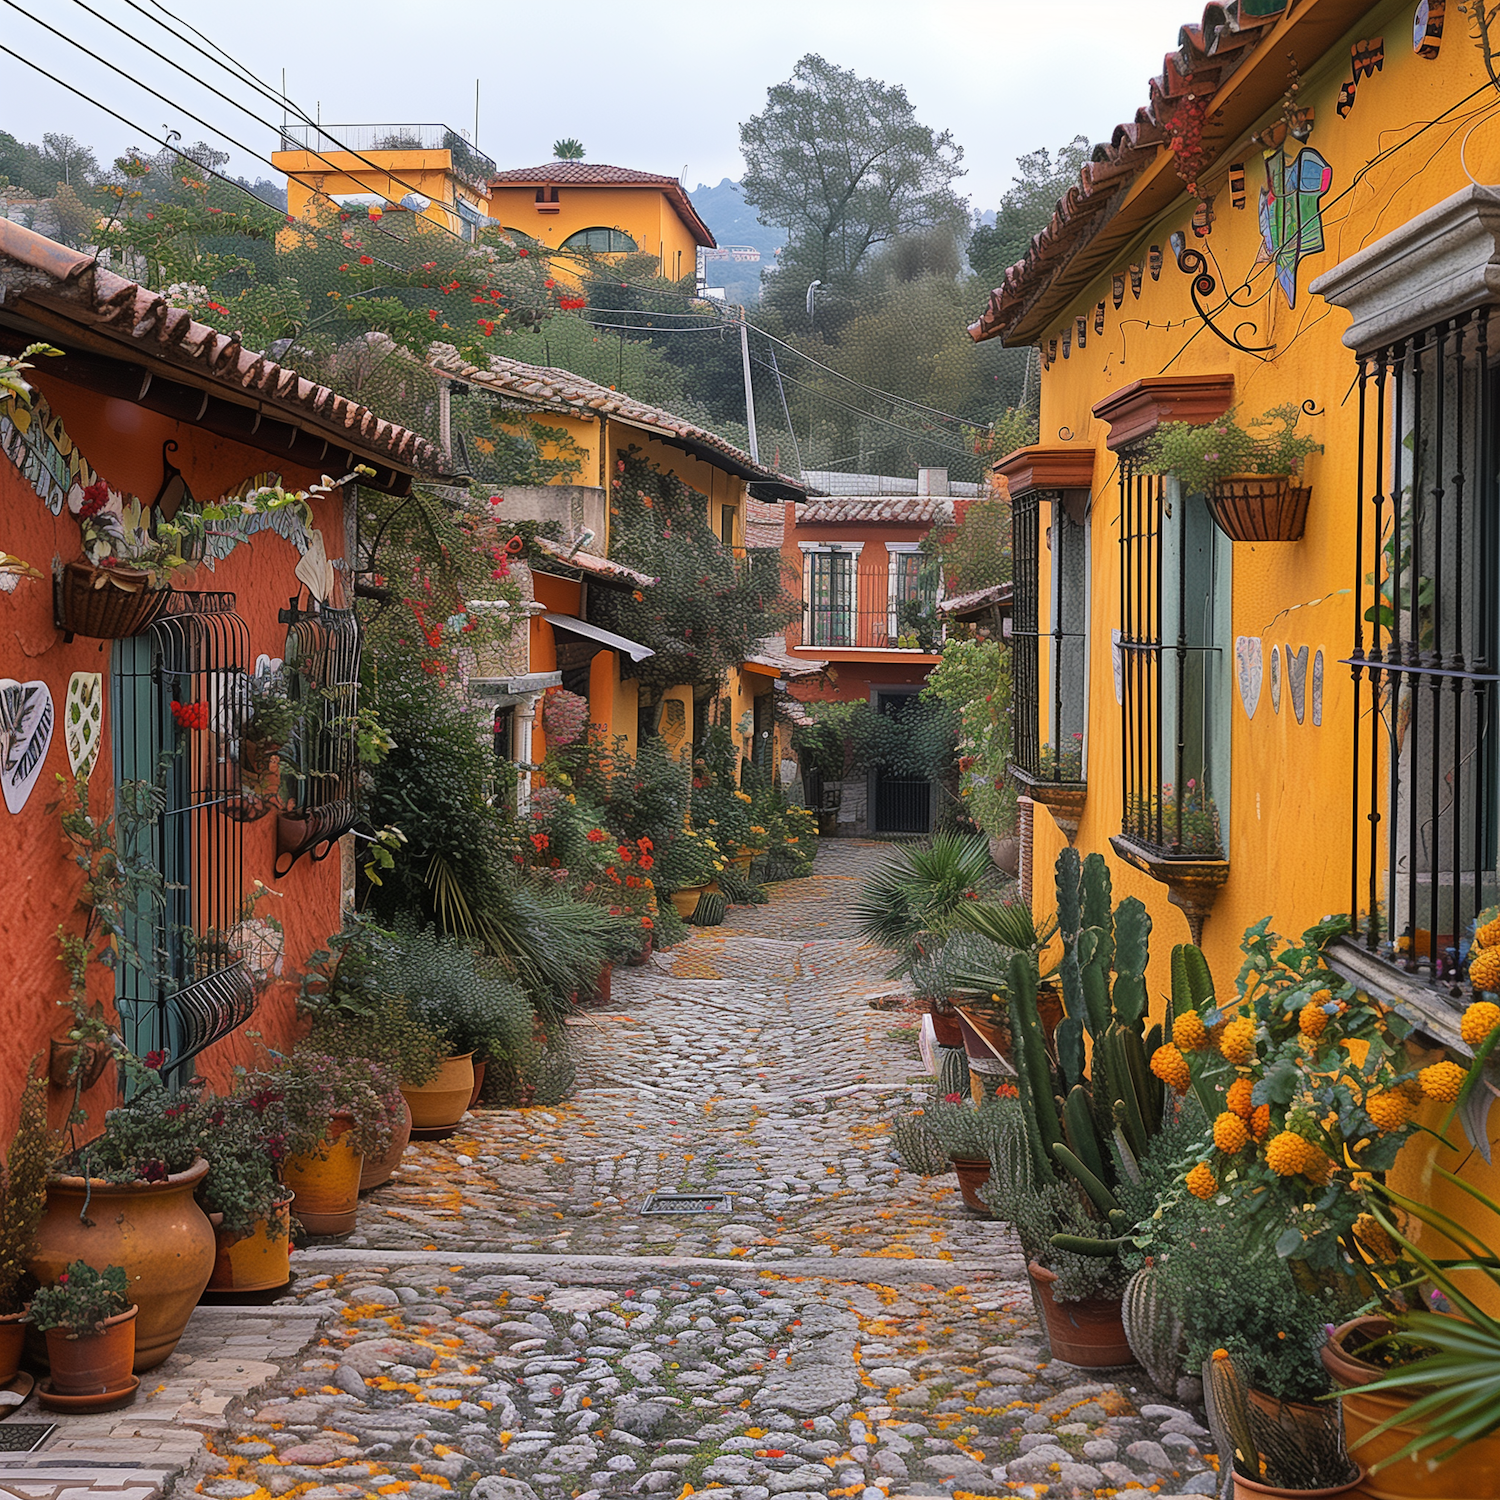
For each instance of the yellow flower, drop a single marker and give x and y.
(1389, 1109)
(1373, 1238)
(1287, 1153)
(1238, 1041)
(1480, 1019)
(1488, 936)
(1171, 1067)
(1442, 1081)
(1239, 1098)
(1230, 1134)
(1260, 1122)
(1484, 974)
(1312, 1019)
(1201, 1182)
(1188, 1032)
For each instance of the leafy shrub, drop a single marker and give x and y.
(81, 1300)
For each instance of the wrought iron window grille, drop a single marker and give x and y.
(1426, 656)
(191, 984)
(322, 662)
(1061, 759)
(1168, 686)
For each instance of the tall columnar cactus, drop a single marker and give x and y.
(1077, 1104)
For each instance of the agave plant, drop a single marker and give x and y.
(1459, 1368)
(915, 893)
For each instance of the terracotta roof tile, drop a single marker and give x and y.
(1208, 54)
(765, 524)
(908, 510)
(599, 174)
(561, 391)
(71, 286)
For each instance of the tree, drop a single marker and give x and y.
(845, 165)
(1025, 209)
(72, 162)
(568, 149)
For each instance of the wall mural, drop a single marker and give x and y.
(26, 722)
(1291, 213)
(1250, 666)
(83, 721)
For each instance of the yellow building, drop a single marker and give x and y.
(1274, 701)
(588, 208)
(605, 426)
(431, 170)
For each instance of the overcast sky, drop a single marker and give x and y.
(661, 88)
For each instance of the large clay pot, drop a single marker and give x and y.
(255, 1262)
(1089, 1333)
(479, 1071)
(1247, 1489)
(12, 1342)
(1005, 854)
(439, 1104)
(1473, 1471)
(685, 902)
(379, 1170)
(946, 1031)
(325, 1182)
(972, 1175)
(154, 1230)
(93, 1364)
(983, 1040)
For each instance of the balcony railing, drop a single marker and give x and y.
(469, 163)
(870, 630)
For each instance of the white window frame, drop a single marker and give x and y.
(809, 550)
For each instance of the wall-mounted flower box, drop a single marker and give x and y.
(1193, 881)
(1260, 507)
(1063, 799)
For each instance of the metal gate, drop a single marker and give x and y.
(903, 804)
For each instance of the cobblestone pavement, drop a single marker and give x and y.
(508, 1323)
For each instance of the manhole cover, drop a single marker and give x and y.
(686, 1203)
(22, 1437)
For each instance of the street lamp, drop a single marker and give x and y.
(812, 302)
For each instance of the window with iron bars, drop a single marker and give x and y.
(186, 981)
(1171, 664)
(832, 585)
(1050, 750)
(1426, 657)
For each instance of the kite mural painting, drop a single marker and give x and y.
(1291, 213)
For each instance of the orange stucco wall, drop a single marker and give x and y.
(124, 444)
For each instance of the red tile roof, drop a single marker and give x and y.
(765, 524)
(599, 174)
(878, 510)
(545, 389)
(83, 304)
(1238, 60)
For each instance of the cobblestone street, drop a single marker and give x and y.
(507, 1322)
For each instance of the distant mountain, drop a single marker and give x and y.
(733, 222)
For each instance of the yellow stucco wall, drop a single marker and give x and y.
(644, 213)
(1288, 834)
(387, 174)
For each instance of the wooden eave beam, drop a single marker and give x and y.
(1069, 467)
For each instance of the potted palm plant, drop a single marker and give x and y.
(89, 1324)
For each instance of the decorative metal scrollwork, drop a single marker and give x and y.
(1195, 264)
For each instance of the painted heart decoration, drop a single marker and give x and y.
(26, 723)
(1250, 665)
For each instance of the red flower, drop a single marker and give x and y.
(646, 861)
(154, 1060)
(645, 843)
(217, 307)
(647, 922)
(549, 283)
(539, 841)
(367, 260)
(523, 252)
(953, 1098)
(595, 835)
(624, 852)
(95, 498)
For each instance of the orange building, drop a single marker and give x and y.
(589, 209)
(153, 413)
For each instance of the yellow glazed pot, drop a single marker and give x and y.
(439, 1104)
(325, 1182)
(258, 1261)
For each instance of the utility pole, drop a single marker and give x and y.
(749, 389)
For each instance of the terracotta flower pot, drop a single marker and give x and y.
(643, 957)
(1089, 1333)
(972, 1175)
(154, 1230)
(601, 986)
(60, 1061)
(1005, 854)
(439, 1104)
(325, 1182)
(1473, 1471)
(93, 1364)
(255, 1262)
(982, 1038)
(685, 901)
(479, 1072)
(12, 1342)
(1247, 1487)
(946, 1030)
(379, 1170)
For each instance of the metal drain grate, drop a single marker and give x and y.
(23, 1437)
(686, 1203)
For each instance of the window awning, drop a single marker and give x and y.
(633, 649)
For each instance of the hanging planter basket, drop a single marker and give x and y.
(1259, 507)
(106, 604)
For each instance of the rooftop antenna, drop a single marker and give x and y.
(476, 114)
